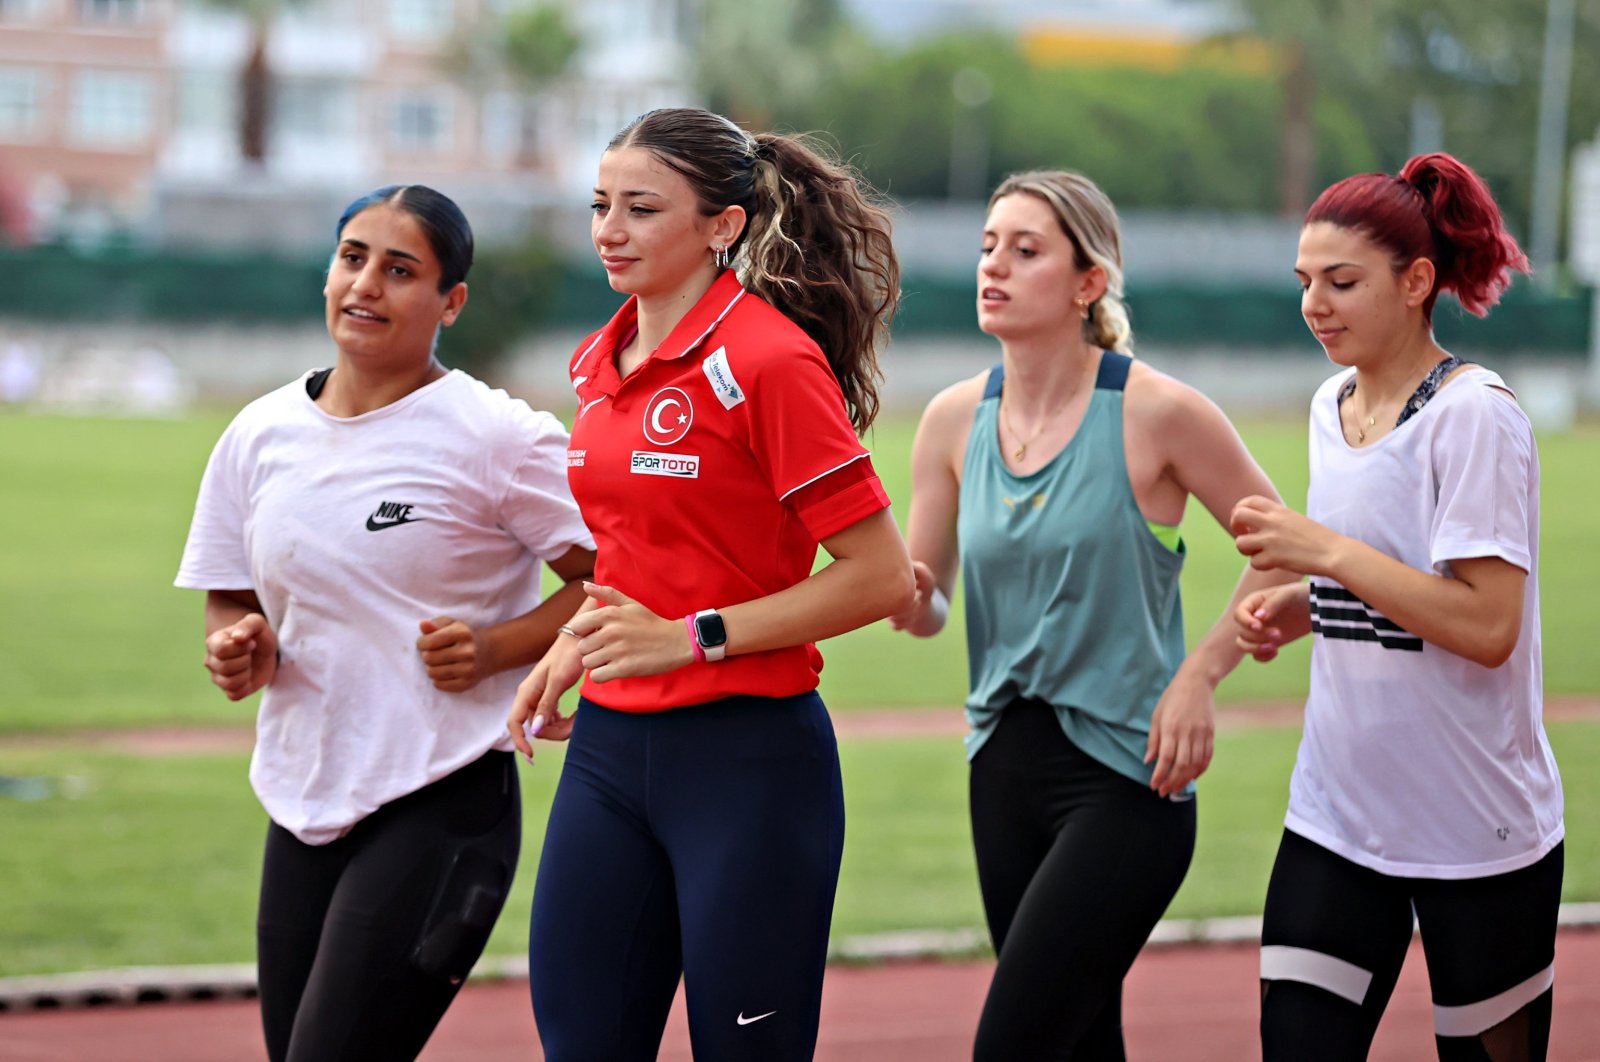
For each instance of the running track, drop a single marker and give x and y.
(1190, 1003)
(1195, 1002)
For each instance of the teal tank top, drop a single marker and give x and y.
(1070, 597)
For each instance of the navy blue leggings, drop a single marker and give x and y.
(702, 841)
(1077, 864)
(363, 943)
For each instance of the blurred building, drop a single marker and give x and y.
(85, 104)
(127, 112)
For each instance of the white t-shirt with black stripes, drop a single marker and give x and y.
(1415, 761)
(352, 530)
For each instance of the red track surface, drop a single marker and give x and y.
(1193, 1003)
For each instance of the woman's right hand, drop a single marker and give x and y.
(1269, 619)
(536, 711)
(243, 656)
(928, 609)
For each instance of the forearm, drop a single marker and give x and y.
(1214, 656)
(869, 579)
(1447, 612)
(523, 640)
(224, 608)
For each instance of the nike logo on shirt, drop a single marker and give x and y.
(391, 514)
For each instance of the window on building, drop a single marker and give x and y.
(314, 107)
(419, 121)
(116, 11)
(112, 108)
(20, 9)
(502, 126)
(19, 103)
(207, 99)
(420, 19)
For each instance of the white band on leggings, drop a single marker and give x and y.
(1279, 962)
(1475, 1018)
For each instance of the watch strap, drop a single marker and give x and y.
(694, 639)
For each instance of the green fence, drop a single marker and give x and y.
(57, 283)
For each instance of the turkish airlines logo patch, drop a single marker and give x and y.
(720, 375)
(667, 416)
(675, 466)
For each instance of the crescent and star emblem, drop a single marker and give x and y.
(667, 416)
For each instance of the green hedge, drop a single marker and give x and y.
(62, 284)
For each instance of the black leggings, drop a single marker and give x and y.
(363, 943)
(1077, 864)
(1335, 935)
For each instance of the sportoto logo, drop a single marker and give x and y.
(667, 416)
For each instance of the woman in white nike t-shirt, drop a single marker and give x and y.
(1424, 786)
(370, 539)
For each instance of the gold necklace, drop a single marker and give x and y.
(1361, 433)
(1023, 444)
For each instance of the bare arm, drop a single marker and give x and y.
(458, 657)
(936, 455)
(869, 578)
(1475, 612)
(241, 648)
(1203, 456)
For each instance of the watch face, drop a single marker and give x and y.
(709, 631)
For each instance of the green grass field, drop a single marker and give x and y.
(93, 514)
(154, 860)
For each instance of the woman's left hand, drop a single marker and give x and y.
(453, 654)
(623, 639)
(1273, 535)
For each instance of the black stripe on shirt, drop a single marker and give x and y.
(1407, 642)
(1355, 620)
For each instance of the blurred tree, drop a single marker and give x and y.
(255, 76)
(1479, 67)
(524, 49)
(1199, 137)
(760, 59)
(509, 291)
(1456, 75)
(1318, 45)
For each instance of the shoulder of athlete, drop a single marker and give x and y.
(1168, 414)
(948, 416)
(956, 403)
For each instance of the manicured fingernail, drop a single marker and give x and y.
(537, 725)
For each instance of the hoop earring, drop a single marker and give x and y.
(720, 255)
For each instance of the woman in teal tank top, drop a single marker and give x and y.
(1055, 483)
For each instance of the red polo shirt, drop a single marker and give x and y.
(709, 475)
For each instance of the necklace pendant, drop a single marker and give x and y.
(1016, 455)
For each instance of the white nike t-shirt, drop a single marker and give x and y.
(353, 530)
(1417, 762)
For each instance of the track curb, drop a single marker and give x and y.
(181, 984)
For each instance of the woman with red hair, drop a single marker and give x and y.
(1424, 787)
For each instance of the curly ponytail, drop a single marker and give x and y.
(819, 250)
(1089, 219)
(1435, 208)
(815, 245)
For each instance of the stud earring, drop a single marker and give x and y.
(1083, 308)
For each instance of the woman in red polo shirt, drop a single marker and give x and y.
(699, 821)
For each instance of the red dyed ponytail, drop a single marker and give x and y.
(1436, 208)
